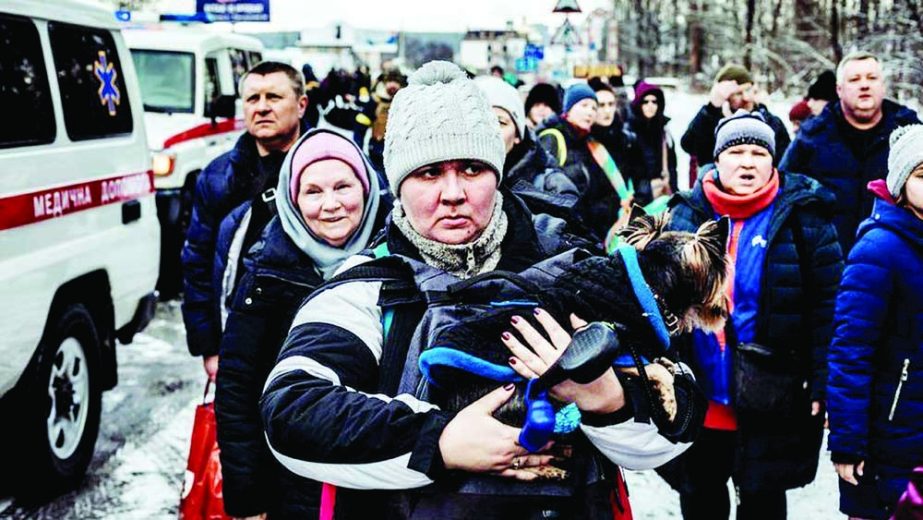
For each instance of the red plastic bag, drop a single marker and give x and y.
(202, 497)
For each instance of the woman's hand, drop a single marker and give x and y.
(604, 395)
(849, 471)
(475, 441)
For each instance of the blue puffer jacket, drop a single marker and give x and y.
(878, 341)
(821, 152)
(798, 287)
(227, 182)
(223, 185)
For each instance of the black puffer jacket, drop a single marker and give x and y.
(599, 203)
(797, 292)
(277, 277)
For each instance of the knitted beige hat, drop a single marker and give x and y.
(440, 115)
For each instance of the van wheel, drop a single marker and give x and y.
(61, 408)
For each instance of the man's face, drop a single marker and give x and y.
(450, 202)
(744, 98)
(272, 111)
(606, 113)
(862, 89)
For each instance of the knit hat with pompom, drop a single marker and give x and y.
(440, 115)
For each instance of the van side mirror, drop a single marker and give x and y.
(222, 106)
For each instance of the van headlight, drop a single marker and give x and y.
(163, 164)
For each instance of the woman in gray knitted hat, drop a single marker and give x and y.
(331, 406)
(763, 428)
(875, 393)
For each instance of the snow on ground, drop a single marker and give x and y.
(653, 499)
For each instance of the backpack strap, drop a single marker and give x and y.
(561, 148)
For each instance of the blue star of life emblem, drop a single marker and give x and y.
(108, 92)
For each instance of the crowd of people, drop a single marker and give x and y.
(346, 217)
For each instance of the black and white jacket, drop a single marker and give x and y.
(326, 414)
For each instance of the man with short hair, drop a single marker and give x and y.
(733, 90)
(273, 102)
(846, 146)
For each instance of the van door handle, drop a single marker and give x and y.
(131, 211)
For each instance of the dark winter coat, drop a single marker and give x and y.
(227, 182)
(277, 276)
(879, 335)
(331, 402)
(699, 139)
(649, 138)
(599, 204)
(820, 150)
(798, 287)
(534, 175)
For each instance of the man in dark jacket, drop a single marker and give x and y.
(733, 90)
(274, 102)
(846, 146)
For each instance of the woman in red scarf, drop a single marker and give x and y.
(765, 374)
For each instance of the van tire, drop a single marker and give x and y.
(67, 367)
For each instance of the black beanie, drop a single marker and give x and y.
(824, 87)
(544, 93)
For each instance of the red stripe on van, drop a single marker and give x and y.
(204, 130)
(37, 206)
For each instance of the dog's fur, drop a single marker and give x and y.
(686, 271)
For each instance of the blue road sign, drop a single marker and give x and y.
(234, 10)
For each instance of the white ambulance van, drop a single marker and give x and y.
(79, 238)
(188, 78)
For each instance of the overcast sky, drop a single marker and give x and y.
(407, 15)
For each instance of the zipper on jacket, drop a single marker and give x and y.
(905, 373)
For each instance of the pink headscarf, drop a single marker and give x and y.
(323, 146)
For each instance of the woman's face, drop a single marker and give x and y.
(450, 202)
(507, 128)
(539, 113)
(583, 114)
(649, 106)
(331, 201)
(745, 168)
(913, 192)
(606, 113)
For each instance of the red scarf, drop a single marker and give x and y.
(581, 133)
(739, 206)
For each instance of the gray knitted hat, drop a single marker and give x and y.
(744, 128)
(440, 115)
(503, 95)
(905, 155)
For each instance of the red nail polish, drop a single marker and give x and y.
(537, 311)
(512, 361)
(514, 320)
(505, 335)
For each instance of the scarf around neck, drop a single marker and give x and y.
(739, 206)
(327, 258)
(461, 260)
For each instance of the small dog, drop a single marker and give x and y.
(686, 272)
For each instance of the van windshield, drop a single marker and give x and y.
(167, 80)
